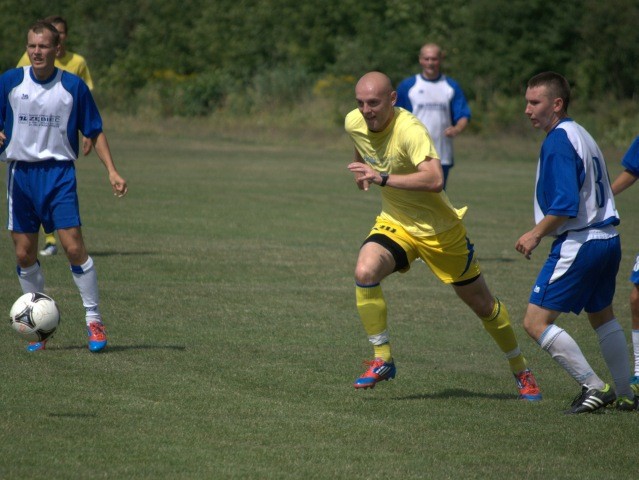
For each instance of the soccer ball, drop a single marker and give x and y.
(34, 316)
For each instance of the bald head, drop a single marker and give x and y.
(433, 48)
(430, 57)
(374, 82)
(375, 100)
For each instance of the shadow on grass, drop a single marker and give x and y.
(73, 415)
(496, 259)
(457, 393)
(120, 253)
(122, 348)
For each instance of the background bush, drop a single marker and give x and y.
(245, 56)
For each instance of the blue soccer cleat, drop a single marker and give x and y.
(378, 370)
(36, 346)
(634, 384)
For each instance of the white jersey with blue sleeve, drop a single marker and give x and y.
(438, 104)
(630, 160)
(572, 181)
(41, 119)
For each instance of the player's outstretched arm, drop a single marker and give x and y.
(101, 146)
(529, 240)
(623, 181)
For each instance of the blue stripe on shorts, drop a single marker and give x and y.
(634, 275)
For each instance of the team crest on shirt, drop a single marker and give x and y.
(25, 96)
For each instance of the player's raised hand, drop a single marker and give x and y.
(527, 243)
(364, 174)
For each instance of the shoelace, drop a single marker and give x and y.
(96, 329)
(527, 381)
(579, 397)
(373, 363)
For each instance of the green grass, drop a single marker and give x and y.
(226, 285)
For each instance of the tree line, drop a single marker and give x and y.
(194, 57)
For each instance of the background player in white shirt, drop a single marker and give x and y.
(574, 203)
(438, 101)
(42, 108)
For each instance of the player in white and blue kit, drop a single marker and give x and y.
(625, 179)
(438, 101)
(574, 203)
(42, 108)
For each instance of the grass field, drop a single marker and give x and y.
(227, 290)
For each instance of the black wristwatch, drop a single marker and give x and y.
(384, 176)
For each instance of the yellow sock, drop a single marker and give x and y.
(372, 312)
(49, 238)
(499, 326)
(383, 351)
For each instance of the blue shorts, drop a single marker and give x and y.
(578, 276)
(634, 275)
(42, 193)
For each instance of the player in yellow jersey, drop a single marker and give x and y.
(394, 151)
(74, 63)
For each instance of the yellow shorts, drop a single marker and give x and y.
(449, 255)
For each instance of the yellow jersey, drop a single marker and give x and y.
(398, 149)
(71, 62)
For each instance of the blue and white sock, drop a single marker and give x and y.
(86, 279)
(31, 278)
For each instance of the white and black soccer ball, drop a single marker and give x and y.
(35, 316)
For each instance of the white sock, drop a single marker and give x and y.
(635, 348)
(86, 279)
(614, 349)
(31, 278)
(565, 351)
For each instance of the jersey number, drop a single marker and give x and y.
(600, 192)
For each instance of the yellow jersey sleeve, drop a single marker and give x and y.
(74, 63)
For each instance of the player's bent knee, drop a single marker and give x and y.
(365, 275)
(25, 258)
